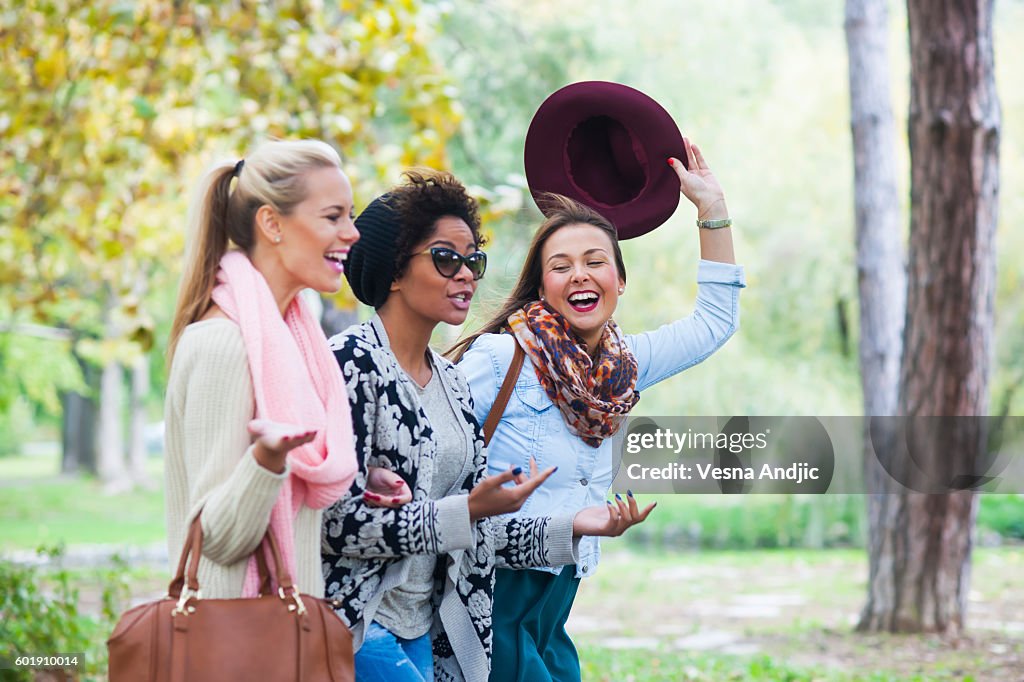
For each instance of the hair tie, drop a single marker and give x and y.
(238, 168)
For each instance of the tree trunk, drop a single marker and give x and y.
(881, 276)
(137, 448)
(111, 446)
(921, 556)
(78, 424)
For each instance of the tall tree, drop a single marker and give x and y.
(920, 559)
(881, 275)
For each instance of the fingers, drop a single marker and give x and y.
(502, 478)
(535, 481)
(646, 512)
(375, 500)
(690, 156)
(533, 466)
(679, 168)
(612, 529)
(698, 157)
(296, 439)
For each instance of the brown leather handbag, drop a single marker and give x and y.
(276, 636)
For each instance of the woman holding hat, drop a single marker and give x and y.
(413, 580)
(258, 425)
(580, 379)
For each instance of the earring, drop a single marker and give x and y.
(621, 289)
(277, 239)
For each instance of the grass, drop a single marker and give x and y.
(39, 507)
(782, 614)
(664, 665)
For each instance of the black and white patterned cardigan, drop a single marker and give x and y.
(364, 549)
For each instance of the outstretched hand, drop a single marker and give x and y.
(274, 440)
(491, 497)
(610, 520)
(699, 185)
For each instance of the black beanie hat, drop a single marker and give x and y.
(370, 266)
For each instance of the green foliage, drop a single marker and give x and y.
(1003, 515)
(40, 614)
(115, 108)
(750, 522)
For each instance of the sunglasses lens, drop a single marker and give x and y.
(446, 261)
(477, 263)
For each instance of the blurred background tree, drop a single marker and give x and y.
(110, 111)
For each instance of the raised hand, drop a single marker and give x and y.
(491, 498)
(699, 185)
(610, 520)
(275, 440)
(385, 488)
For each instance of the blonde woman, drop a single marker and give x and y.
(258, 425)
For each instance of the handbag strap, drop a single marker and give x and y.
(188, 564)
(498, 408)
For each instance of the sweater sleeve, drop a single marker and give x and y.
(351, 527)
(221, 477)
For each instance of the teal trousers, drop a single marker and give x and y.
(530, 642)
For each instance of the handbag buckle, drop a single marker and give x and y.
(297, 606)
(182, 605)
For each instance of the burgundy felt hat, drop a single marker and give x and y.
(606, 145)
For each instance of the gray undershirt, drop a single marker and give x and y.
(405, 610)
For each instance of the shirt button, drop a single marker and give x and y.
(585, 568)
(584, 481)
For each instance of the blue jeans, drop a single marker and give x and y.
(385, 657)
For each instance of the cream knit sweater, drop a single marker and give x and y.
(210, 465)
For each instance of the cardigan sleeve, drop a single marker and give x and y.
(534, 542)
(212, 404)
(351, 527)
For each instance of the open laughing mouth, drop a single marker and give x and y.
(336, 259)
(584, 301)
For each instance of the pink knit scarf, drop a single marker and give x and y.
(296, 381)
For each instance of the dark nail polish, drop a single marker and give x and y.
(517, 471)
(629, 492)
(394, 500)
(608, 502)
(554, 470)
(618, 497)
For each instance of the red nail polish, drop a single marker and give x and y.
(670, 162)
(394, 500)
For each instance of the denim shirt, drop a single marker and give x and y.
(532, 426)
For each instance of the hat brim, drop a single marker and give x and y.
(606, 145)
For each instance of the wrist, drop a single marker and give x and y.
(715, 209)
(269, 459)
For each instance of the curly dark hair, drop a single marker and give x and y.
(425, 197)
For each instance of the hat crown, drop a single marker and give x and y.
(605, 161)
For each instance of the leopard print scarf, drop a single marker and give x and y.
(594, 396)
